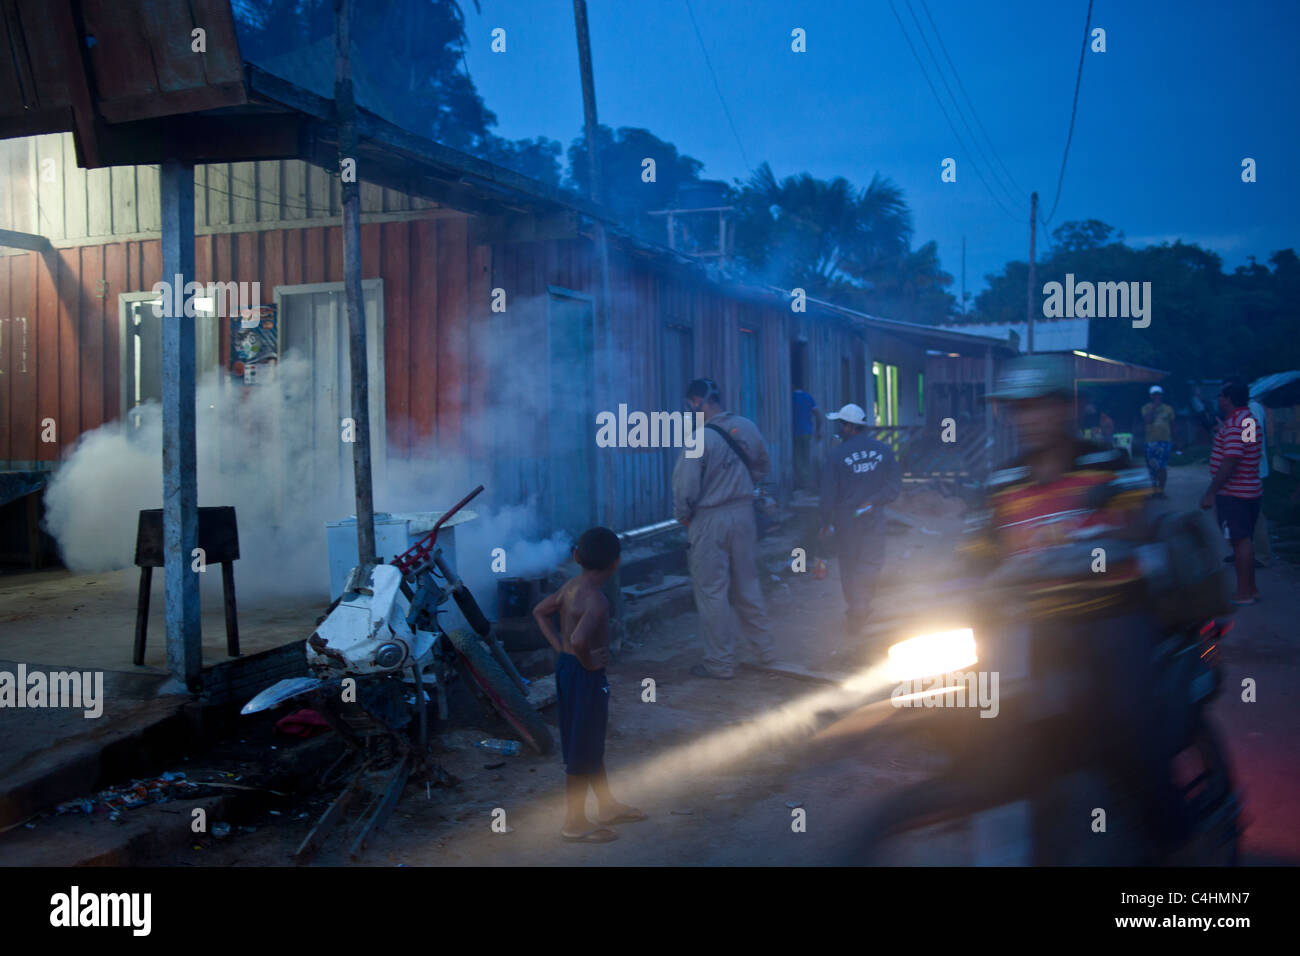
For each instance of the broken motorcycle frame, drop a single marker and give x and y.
(380, 663)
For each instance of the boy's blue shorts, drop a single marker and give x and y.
(582, 699)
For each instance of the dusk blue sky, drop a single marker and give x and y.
(1183, 93)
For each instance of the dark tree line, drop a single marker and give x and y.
(837, 241)
(1205, 323)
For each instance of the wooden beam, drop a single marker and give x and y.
(72, 44)
(151, 105)
(237, 227)
(203, 139)
(24, 240)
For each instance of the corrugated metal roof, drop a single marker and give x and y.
(1261, 387)
(1050, 335)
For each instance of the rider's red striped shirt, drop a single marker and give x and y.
(1240, 438)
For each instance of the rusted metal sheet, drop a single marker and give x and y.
(8, 327)
(45, 307)
(90, 325)
(440, 387)
(143, 64)
(115, 280)
(34, 69)
(479, 444)
(83, 65)
(395, 269)
(314, 256)
(424, 370)
(68, 307)
(120, 56)
(452, 333)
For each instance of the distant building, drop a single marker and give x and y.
(1050, 335)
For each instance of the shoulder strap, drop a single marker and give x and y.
(734, 445)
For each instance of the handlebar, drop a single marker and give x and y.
(417, 555)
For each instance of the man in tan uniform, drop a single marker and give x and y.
(713, 495)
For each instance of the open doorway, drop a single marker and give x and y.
(314, 458)
(798, 363)
(571, 333)
(804, 420)
(140, 349)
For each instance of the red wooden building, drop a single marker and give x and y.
(505, 396)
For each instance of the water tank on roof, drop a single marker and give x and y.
(707, 194)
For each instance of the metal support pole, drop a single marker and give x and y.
(1033, 235)
(180, 465)
(604, 312)
(345, 106)
(963, 275)
(990, 441)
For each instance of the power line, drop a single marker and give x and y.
(957, 103)
(943, 109)
(1078, 79)
(721, 98)
(961, 86)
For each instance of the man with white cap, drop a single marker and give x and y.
(1159, 418)
(861, 476)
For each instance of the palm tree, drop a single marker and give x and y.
(911, 286)
(820, 235)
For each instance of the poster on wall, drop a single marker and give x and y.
(254, 345)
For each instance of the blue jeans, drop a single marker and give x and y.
(860, 544)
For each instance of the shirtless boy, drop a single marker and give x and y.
(582, 693)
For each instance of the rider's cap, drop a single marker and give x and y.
(1034, 376)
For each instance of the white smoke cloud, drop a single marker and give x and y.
(250, 446)
(114, 472)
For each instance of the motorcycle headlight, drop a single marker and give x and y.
(389, 655)
(932, 654)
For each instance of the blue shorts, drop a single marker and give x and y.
(582, 699)
(1157, 456)
(1237, 515)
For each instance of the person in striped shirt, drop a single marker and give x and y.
(1235, 488)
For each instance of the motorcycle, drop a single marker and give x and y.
(1042, 748)
(380, 664)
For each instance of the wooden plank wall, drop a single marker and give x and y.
(466, 388)
(44, 191)
(62, 361)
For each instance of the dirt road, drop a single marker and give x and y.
(701, 760)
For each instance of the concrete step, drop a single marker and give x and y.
(143, 835)
(154, 833)
(59, 755)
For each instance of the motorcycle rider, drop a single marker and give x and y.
(1062, 532)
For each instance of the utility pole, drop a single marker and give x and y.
(603, 312)
(345, 110)
(1033, 235)
(963, 275)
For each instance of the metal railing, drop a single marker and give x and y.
(922, 452)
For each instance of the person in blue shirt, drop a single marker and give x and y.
(861, 476)
(807, 427)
